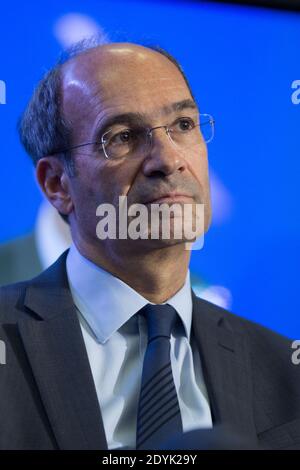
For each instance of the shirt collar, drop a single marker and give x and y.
(106, 302)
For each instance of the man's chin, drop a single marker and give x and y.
(157, 243)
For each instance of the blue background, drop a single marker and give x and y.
(241, 62)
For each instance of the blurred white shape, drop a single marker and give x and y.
(221, 200)
(2, 92)
(217, 295)
(74, 27)
(2, 352)
(52, 234)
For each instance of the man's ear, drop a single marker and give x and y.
(54, 182)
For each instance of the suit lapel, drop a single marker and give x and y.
(226, 367)
(59, 362)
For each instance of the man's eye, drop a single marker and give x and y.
(184, 124)
(123, 137)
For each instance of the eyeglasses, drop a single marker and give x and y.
(185, 132)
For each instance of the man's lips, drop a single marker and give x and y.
(171, 198)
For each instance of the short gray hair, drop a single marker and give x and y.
(42, 128)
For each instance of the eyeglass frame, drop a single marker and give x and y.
(149, 132)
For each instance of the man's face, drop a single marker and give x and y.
(114, 80)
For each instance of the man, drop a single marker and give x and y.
(85, 340)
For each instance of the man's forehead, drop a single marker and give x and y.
(154, 97)
(122, 78)
(120, 68)
(152, 110)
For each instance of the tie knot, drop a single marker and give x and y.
(160, 320)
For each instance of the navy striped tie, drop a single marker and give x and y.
(158, 409)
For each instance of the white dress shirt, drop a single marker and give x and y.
(116, 341)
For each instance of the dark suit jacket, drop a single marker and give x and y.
(47, 394)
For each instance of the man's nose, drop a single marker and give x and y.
(163, 155)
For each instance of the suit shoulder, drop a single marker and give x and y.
(270, 352)
(241, 325)
(10, 294)
(257, 332)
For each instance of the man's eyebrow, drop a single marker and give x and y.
(179, 106)
(130, 117)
